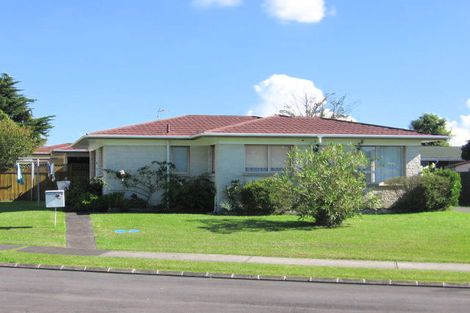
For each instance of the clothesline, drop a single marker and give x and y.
(34, 164)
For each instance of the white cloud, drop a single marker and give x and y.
(217, 3)
(302, 11)
(280, 90)
(460, 129)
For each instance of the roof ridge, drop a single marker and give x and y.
(369, 124)
(137, 124)
(255, 119)
(169, 119)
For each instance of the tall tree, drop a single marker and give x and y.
(15, 141)
(430, 123)
(329, 106)
(466, 151)
(17, 107)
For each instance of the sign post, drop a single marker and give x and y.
(55, 199)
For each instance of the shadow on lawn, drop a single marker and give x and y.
(14, 227)
(228, 226)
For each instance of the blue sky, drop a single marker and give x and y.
(107, 63)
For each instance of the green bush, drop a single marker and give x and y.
(82, 194)
(189, 195)
(326, 185)
(258, 197)
(433, 191)
(455, 184)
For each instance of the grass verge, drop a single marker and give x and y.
(11, 256)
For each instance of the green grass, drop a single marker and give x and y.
(427, 237)
(238, 268)
(27, 223)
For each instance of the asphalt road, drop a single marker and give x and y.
(26, 290)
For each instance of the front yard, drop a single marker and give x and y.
(425, 237)
(429, 237)
(26, 223)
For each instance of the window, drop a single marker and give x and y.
(264, 158)
(385, 163)
(180, 158)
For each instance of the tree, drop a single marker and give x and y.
(329, 106)
(15, 141)
(466, 151)
(17, 107)
(430, 123)
(326, 186)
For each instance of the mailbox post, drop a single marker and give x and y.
(55, 199)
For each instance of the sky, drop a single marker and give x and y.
(98, 64)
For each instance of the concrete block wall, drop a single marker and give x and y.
(128, 158)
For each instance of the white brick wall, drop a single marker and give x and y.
(129, 158)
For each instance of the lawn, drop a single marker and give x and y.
(26, 223)
(426, 237)
(237, 268)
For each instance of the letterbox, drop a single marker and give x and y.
(55, 199)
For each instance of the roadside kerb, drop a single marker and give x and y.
(206, 275)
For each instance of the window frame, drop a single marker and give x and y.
(188, 162)
(269, 168)
(372, 172)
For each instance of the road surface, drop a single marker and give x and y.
(28, 290)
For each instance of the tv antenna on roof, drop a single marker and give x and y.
(160, 110)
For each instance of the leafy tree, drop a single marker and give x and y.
(326, 186)
(15, 141)
(466, 151)
(430, 123)
(329, 106)
(17, 107)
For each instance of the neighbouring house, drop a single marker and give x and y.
(462, 167)
(440, 156)
(245, 147)
(61, 154)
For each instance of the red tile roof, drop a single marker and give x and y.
(59, 147)
(187, 125)
(279, 124)
(193, 125)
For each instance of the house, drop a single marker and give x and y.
(245, 147)
(61, 154)
(440, 156)
(462, 167)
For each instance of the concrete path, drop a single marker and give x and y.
(455, 267)
(462, 209)
(28, 290)
(79, 231)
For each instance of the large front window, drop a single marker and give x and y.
(385, 163)
(265, 158)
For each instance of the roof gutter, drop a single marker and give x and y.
(272, 135)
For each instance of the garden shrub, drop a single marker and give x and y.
(455, 184)
(189, 195)
(258, 197)
(326, 185)
(82, 194)
(178, 194)
(434, 190)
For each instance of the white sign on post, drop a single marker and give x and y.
(55, 199)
